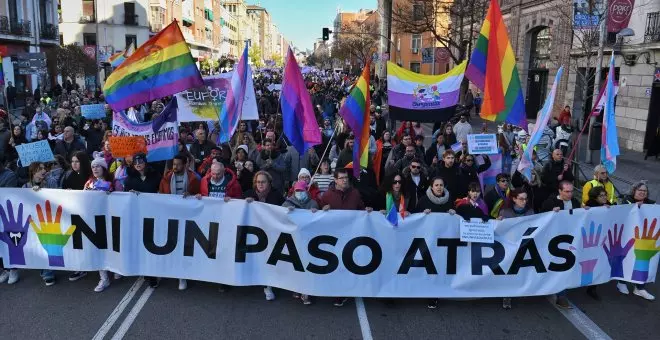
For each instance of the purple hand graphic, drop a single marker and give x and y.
(14, 233)
(616, 253)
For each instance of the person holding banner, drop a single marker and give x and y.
(472, 206)
(101, 181)
(179, 181)
(563, 201)
(516, 206)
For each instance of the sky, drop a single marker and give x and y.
(301, 21)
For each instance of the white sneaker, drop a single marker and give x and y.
(103, 284)
(183, 284)
(643, 294)
(270, 296)
(623, 288)
(4, 275)
(13, 276)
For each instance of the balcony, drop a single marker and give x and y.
(131, 19)
(156, 27)
(652, 31)
(49, 32)
(20, 28)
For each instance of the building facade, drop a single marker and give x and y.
(103, 27)
(26, 26)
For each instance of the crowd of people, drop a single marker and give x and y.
(258, 164)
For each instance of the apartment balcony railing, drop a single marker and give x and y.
(21, 28)
(652, 31)
(156, 27)
(50, 32)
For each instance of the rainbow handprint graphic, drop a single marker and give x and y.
(645, 249)
(14, 232)
(617, 253)
(50, 234)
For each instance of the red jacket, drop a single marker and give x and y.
(342, 200)
(233, 189)
(193, 183)
(206, 165)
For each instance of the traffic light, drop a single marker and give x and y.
(326, 34)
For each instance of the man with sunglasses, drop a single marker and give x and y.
(416, 181)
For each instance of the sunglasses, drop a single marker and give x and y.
(414, 166)
(397, 182)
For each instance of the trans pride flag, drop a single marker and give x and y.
(355, 112)
(162, 66)
(298, 116)
(526, 164)
(610, 145)
(2, 75)
(492, 69)
(232, 109)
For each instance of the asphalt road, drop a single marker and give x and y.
(131, 310)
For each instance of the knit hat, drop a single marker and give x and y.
(304, 171)
(300, 186)
(244, 147)
(99, 162)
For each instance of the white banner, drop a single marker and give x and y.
(335, 253)
(205, 103)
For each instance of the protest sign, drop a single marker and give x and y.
(477, 231)
(485, 144)
(205, 103)
(333, 253)
(127, 145)
(456, 147)
(275, 87)
(161, 134)
(93, 111)
(29, 153)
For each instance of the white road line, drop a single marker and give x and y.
(362, 317)
(130, 318)
(116, 313)
(581, 321)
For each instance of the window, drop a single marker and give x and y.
(131, 40)
(418, 11)
(416, 42)
(89, 39)
(415, 67)
(130, 18)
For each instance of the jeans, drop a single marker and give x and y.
(47, 274)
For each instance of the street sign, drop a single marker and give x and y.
(31, 63)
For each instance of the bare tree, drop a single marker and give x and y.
(454, 24)
(71, 61)
(356, 41)
(585, 20)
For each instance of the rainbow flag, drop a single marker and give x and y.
(355, 112)
(162, 66)
(393, 211)
(118, 58)
(232, 109)
(492, 69)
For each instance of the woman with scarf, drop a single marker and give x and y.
(516, 207)
(497, 197)
(101, 180)
(393, 196)
(384, 146)
(301, 199)
(263, 191)
(470, 172)
(472, 206)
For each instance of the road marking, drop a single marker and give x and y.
(581, 321)
(362, 317)
(130, 318)
(116, 313)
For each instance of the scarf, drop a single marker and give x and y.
(173, 182)
(435, 199)
(495, 212)
(262, 195)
